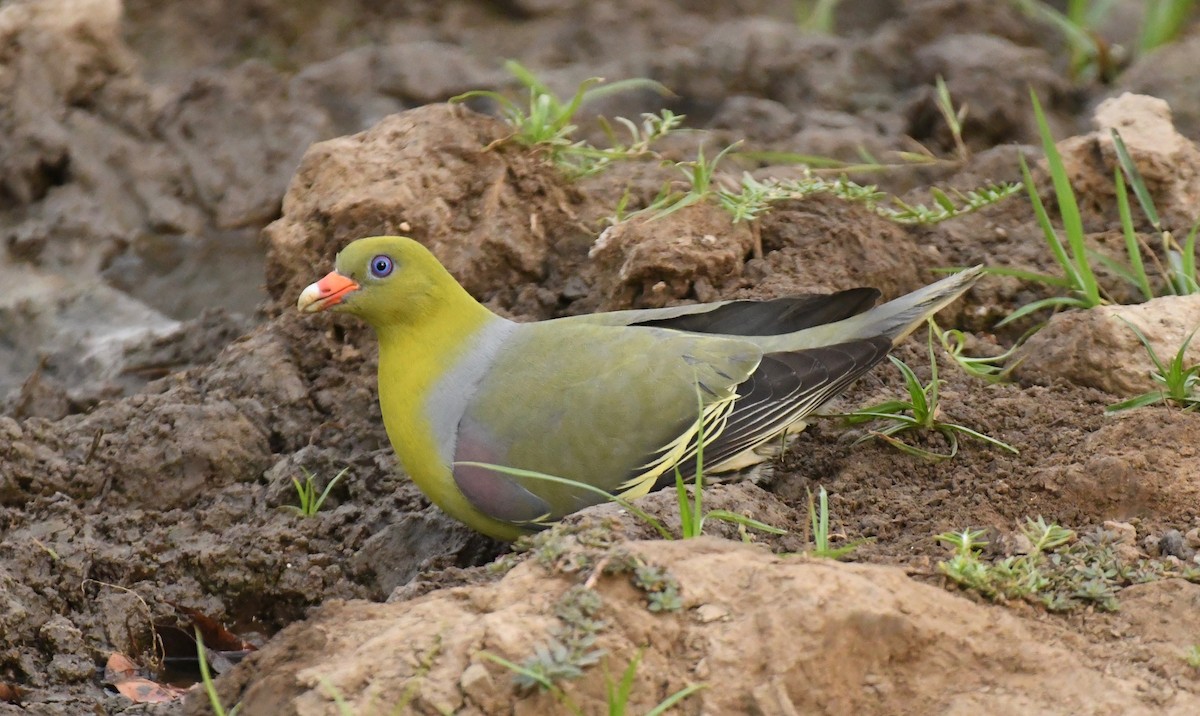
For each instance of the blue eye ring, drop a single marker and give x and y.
(381, 266)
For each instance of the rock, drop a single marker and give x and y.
(477, 683)
(1095, 348)
(1153, 74)
(1125, 533)
(999, 105)
(242, 136)
(1168, 161)
(649, 262)
(1173, 544)
(427, 173)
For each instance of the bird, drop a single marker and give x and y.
(615, 400)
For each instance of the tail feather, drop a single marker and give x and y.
(894, 319)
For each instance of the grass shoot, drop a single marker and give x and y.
(1180, 384)
(306, 493)
(921, 411)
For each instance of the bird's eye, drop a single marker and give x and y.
(381, 266)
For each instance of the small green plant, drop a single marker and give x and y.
(953, 116)
(1179, 275)
(1080, 23)
(546, 123)
(818, 519)
(921, 411)
(306, 492)
(1164, 21)
(660, 587)
(989, 368)
(1072, 255)
(1192, 656)
(1181, 385)
(1014, 577)
(48, 550)
(1059, 569)
(571, 647)
(1078, 277)
(617, 694)
(751, 198)
(210, 688)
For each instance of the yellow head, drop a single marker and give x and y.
(384, 280)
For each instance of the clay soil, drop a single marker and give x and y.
(173, 173)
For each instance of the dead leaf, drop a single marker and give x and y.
(145, 691)
(122, 673)
(10, 694)
(119, 668)
(216, 636)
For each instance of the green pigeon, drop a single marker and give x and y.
(612, 400)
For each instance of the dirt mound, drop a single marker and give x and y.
(796, 636)
(486, 211)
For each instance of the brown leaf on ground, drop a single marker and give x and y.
(10, 694)
(121, 672)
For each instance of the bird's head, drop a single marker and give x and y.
(384, 280)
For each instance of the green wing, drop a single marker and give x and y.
(611, 407)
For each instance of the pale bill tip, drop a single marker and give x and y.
(309, 300)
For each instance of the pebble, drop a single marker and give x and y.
(1173, 544)
(706, 613)
(1124, 532)
(476, 682)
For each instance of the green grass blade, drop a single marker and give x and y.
(739, 519)
(321, 500)
(1189, 282)
(608, 496)
(1135, 180)
(1048, 231)
(1052, 302)
(916, 391)
(618, 699)
(1068, 208)
(1162, 369)
(980, 436)
(210, 689)
(1124, 272)
(1132, 248)
(687, 519)
(1163, 22)
(675, 698)
(871, 415)
(916, 451)
(1139, 401)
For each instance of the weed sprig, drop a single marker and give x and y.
(1180, 385)
(306, 492)
(546, 122)
(1060, 571)
(920, 411)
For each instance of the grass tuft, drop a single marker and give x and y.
(818, 519)
(1059, 570)
(921, 411)
(546, 121)
(1181, 385)
(306, 492)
